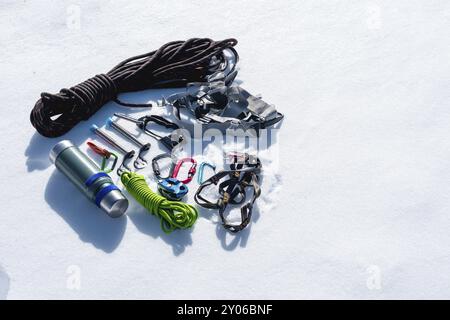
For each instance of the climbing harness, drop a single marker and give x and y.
(173, 214)
(140, 161)
(191, 171)
(201, 168)
(105, 154)
(127, 155)
(243, 173)
(170, 141)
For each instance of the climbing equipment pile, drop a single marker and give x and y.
(211, 99)
(243, 174)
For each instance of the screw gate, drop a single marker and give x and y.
(191, 171)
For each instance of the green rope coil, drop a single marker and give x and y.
(173, 214)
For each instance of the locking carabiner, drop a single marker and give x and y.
(157, 169)
(191, 171)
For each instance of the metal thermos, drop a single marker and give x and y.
(89, 179)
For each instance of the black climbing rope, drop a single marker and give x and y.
(174, 64)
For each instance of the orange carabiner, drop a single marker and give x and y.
(98, 150)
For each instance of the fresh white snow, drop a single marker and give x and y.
(355, 193)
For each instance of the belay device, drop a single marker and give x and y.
(172, 189)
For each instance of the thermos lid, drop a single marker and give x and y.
(58, 148)
(114, 204)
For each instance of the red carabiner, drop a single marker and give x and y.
(191, 171)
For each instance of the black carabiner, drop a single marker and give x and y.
(157, 169)
(140, 161)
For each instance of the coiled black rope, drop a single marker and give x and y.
(174, 64)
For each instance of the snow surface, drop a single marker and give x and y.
(355, 207)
